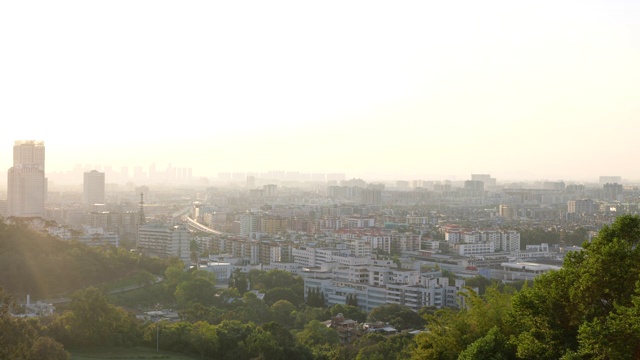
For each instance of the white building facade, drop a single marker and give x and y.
(379, 282)
(165, 241)
(26, 182)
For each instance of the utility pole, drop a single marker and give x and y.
(142, 217)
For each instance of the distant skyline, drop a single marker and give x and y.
(378, 90)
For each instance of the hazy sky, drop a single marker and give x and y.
(416, 89)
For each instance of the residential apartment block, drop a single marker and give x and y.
(472, 242)
(380, 282)
(162, 241)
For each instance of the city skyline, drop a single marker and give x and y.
(195, 175)
(521, 91)
(172, 175)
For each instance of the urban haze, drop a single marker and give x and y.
(338, 180)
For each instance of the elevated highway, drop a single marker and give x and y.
(199, 227)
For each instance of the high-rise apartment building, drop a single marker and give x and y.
(161, 241)
(26, 181)
(250, 225)
(93, 187)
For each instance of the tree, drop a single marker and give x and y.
(249, 309)
(91, 321)
(489, 311)
(376, 346)
(16, 336)
(279, 293)
(230, 334)
(479, 282)
(146, 278)
(21, 339)
(545, 321)
(369, 348)
(446, 338)
(315, 297)
(174, 275)
(399, 316)
(352, 299)
(562, 311)
(198, 290)
(262, 344)
(49, 349)
(452, 331)
(91, 317)
(203, 338)
(265, 280)
(307, 314)
(576, 237)
(285, 340)
(607, 267)
(226, 297)
(493, 346)
(172, 336)
(282, 312)
(449, 275)
(316, 333)
(43, 266)
(193, 246)
(199, 312)
(239, 281)
(349, 312)
(258, 306)
(615, 337)
(396, 260)
(282, 335)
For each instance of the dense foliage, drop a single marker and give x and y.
(587, 310)
(590, 309)
(21, 339)
(44, 266)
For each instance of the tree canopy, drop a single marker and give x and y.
(589, 309)
(570, 310)
(44, 266)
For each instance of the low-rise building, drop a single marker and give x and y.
(376, 283)
(514, 271)
(348, 330)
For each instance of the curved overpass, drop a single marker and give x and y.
(199, 227)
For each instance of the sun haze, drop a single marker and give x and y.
(541, 89)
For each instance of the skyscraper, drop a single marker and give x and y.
(27, 185)
(93, 187)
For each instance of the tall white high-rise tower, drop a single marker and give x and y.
(27, 185)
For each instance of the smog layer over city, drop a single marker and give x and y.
(335, 180)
